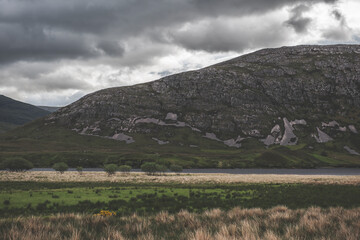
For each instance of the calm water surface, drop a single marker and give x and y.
(317, 171)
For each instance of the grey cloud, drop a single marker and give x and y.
(340, 17)
(297, 21)
(19, 42)
(337, 14)
(111, 48)
(38, 77)
(341, 32)
(229, 37)
(41, 30)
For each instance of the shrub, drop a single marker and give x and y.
(17, 164)
(110, 169)
(60, 167)
(149, 168)
(124, 168)
(79, 169)
(161, 168)
(176, 168)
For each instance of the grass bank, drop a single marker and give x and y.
(237, 223)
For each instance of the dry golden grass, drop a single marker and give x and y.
(175, 178)
(272, 224)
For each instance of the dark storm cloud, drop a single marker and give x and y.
(228, 37)
(41, 30)
(111, 48)
(21, 42)
(297, 21)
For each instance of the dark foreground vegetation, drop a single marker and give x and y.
(44, 198)
(237, 223)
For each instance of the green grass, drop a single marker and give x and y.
(45, 145)
(50, 198)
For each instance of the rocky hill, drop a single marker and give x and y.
(301, 98)
(267, 94)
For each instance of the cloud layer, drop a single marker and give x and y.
(52, 50)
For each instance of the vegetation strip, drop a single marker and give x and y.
(237, 223)
(213, 178)
(39, 198)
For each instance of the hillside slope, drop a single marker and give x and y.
(14, 113)
(286, 107)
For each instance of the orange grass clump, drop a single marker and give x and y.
(105, 213)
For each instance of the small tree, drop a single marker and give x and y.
(161, 168)
(149, 168)
(79, 169)
(60, 167)
(124, 168)
(176, 168)
(110, 169)
(16, 164)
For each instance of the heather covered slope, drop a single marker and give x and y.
(286, 107)
(14, 113)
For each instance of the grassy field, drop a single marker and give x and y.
(34, 193)
(237, 223)
(44, 145)
(49, 205)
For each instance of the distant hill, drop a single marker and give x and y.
(49, 109)
(14, 113)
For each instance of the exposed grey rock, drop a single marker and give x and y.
(150, 120)
(212, 136)
(342, 129)
(353, 129)
(269, 140)
(351, 151)
(322, 137)
(171, 116)
(160, 142)
(253, 133)
(330, 124)
(276, 129)
(123, 137)
(234, 142)
(84, 130)
(289, 137)
(301, 122)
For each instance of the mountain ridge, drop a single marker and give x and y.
(156, 105)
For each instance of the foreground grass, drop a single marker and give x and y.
(272, 224)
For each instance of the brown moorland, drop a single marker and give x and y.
(271, 224)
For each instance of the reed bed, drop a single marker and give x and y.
(271, 224)
(183, 178)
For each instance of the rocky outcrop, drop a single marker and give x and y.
(244, 96)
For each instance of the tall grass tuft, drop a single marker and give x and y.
(270, 224)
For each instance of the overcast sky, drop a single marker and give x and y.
(52, 52)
